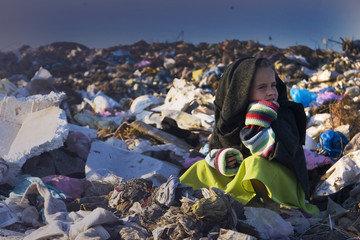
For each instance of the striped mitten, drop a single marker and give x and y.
(261, 113)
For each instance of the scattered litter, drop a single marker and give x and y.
(105, 133)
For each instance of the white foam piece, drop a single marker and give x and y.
(30, 126)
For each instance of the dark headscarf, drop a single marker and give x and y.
(231, 102)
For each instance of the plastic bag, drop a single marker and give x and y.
(303, 96)
(325, 97)
(101, 105)
(332, 143)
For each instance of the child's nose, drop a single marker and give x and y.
(271, 91)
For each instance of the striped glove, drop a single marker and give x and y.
(261, 113)
(220, 161)
(216, 158)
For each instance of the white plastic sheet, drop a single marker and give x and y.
(268, 223)
(344, 172)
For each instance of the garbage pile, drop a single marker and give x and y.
(93, 142)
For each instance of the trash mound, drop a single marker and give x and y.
(94, 140)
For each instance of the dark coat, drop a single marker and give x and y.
(231, 102)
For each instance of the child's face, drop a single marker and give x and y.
(263, 87)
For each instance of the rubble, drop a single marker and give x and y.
(126, 121)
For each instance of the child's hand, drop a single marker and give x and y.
(226, 160)
(261, 113)
(231, 160)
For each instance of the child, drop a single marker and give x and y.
(256, 144)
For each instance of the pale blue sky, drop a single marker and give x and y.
(105, 23)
